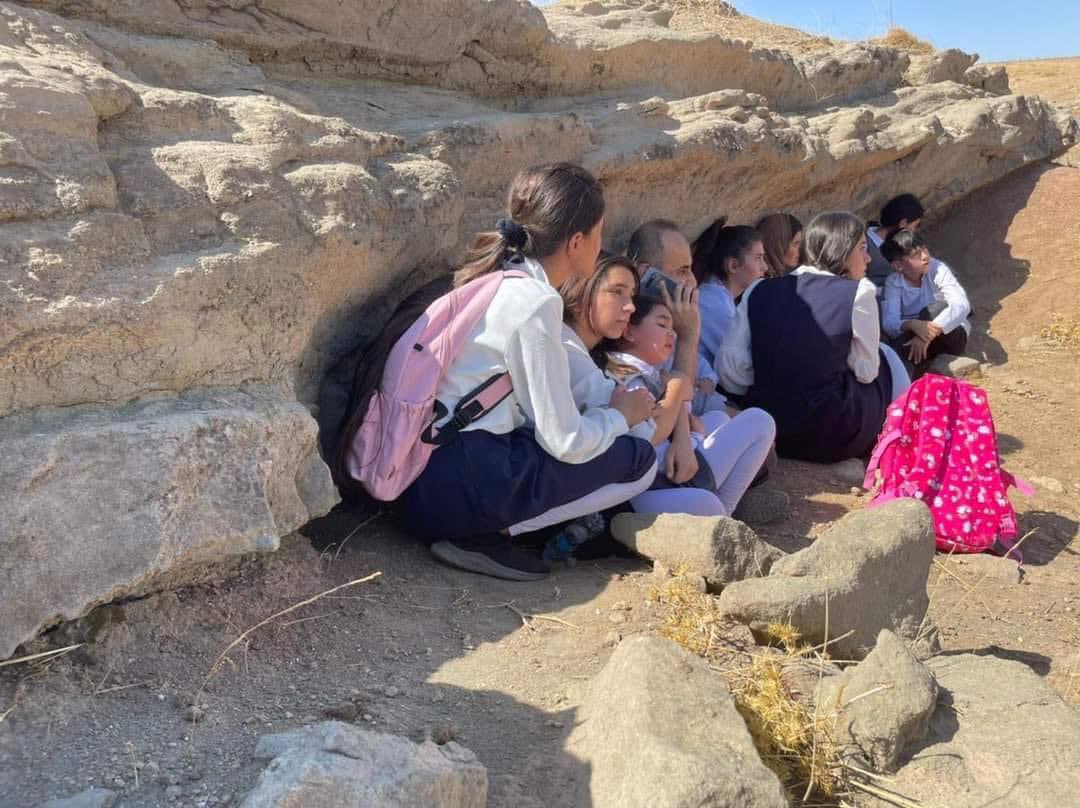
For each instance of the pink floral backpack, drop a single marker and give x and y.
(939, 445)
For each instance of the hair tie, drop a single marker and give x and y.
(514, 234)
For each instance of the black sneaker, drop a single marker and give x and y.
(491, 555)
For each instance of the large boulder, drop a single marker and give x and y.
(335, 765)
(99, 504)
(882, 705)
(719, 549)
(868, 572)
(660, 729)
(999, 735)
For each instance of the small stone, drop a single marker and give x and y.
(553, 724)
(1026, 343)
(660, 570)
(194, 713)
(368, 718)
(621, 606)
(288, 714)
(444, 732)
(346, 711)
(983, 566)
(90, 798)
(612, 638)
(856, 491)
(617, 618)
(958, 367)
(391, 691)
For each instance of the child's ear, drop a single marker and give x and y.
(898, 265)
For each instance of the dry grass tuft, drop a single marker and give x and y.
(692, 619)
(1063, 331)
(793, 738)
(904, 40)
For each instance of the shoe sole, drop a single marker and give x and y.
(478, 562)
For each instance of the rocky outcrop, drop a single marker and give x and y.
(718, 549)
(868, 572)
(882, 705)
(205, 198)
(101, 501)
(335, 764)
(660, 729)
(999, 733)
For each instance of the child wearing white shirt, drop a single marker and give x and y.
(925, 309)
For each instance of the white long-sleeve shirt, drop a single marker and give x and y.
(735, 365)
(592, 387)
(522, 332)
(904, 301)
(717, 314)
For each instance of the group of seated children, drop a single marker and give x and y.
(666, 377)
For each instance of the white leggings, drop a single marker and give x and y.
(900, 379)
(735, 449)
(599, 500)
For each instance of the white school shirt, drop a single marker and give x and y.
(735, 364)
(592, 388)
(904, 301)
(649, 377)
(521, 332)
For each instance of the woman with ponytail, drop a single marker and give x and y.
(534, 460)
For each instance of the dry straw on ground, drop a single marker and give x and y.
(794, 740)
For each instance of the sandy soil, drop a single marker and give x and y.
(425, 650)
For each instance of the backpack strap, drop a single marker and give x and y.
(883, 443)
(1019, 483)
(473, 406)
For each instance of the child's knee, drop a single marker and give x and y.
(763, 424)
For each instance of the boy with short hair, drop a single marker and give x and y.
(925, 309)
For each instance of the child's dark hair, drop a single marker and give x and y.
(547, 205)
(899, 208)
(900, 244)
(643, 306)
(717, 244)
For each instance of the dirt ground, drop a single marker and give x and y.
(428, 651)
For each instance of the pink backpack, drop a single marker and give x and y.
(389, 448)
(939, 445)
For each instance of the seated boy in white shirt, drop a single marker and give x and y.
(925, 309)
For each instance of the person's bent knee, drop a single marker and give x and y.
(641, 458)
(764, 424)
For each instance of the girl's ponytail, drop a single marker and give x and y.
(547, 204)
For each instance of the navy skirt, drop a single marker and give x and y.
(483, 483)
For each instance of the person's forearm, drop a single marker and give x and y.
(686, 354)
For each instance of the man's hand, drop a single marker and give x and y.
(685, 316)
(917, 349)
(925, 330)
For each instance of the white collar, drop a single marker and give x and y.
(531, 267)
(806, 269)
(650, 372)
